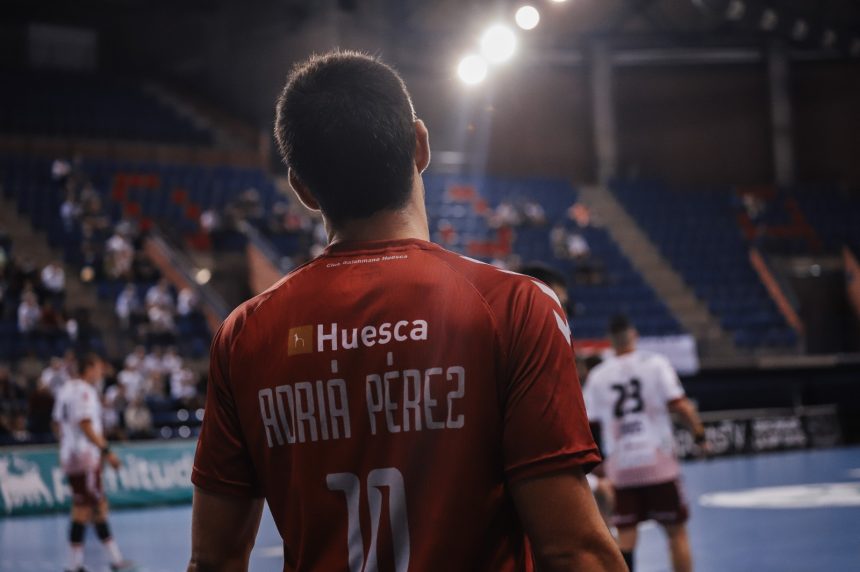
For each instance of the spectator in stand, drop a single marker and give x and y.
(129, 308)
(162, 326)
(159, 295)
(183, 387)
(114, 404)
(54, 376)
(534, 213)
(506, 214)
(131, 379)
(135, 359)
(119, 256)
(153, 362)
(210, 221)
(70, 212)
(53, 278)
(577, 246)
(60, 170)
(29, 313)
(186, 302)
(171, 362)
(138, 419)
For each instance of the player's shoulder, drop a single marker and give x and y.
(237, 320)
(498, 284)
(652, 359)
(603, 370)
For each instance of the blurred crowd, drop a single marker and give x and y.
(133, 393)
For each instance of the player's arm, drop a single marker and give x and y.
(99, 441)
(563, 524)
(685, 409)
(223, 529)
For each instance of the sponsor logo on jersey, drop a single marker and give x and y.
(333, 337)
(301, 340)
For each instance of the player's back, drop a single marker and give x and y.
(385, 394)
(77, 400)
(629, 395)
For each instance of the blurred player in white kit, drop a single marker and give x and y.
(83, 448)
(632, 395)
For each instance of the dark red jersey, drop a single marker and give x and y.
(382, 397)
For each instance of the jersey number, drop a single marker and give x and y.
(632, 392)
(350, 485)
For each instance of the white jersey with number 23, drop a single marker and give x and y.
(629, 396)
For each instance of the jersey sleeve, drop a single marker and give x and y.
(668, 381)
(222, 464)
(545, 424)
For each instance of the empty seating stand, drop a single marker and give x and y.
(90, 107)
(698, 233)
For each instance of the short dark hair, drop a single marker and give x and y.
(544, 273)
(89, 360)
(618, 324)
(345, 125)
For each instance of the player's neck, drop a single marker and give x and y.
(625, 350)
(407, 222)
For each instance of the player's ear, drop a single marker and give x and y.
(302, 192)
(422, 146)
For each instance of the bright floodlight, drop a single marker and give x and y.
(498, 43)
(559, 1)
(527, 17)
(472, 69)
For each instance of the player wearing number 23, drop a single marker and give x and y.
(632, 395)
(399, 407)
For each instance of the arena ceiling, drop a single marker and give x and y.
(829, 24)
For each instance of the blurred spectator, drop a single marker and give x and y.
(153, 362)
(70, 211)
(134, 360)
(115, 402)
(534, 213)
(119, 256)
(183, 387)
(54, 376)
(186, 302)
(162, 327)
(171, 362)
(159, 295)
(60, 170)
(128, 306)
(505, 214)
(29, 313)
(53, 279)
(132, 380)
(580, 214)
(577, 246)
(138, 419)
(210, 221)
